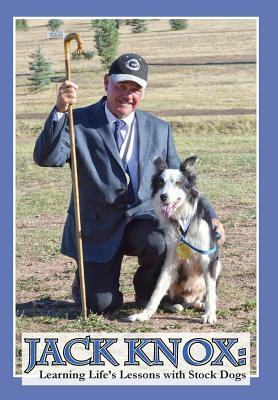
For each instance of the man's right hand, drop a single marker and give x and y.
(66, 95)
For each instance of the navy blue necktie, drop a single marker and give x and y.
(120, 124)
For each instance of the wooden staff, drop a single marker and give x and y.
(74, 177)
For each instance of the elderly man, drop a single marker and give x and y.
(115, 145)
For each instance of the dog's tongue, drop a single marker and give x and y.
(167, 210)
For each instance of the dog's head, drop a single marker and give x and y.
(174, 190)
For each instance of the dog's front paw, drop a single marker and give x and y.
(138, 317)
(209, 318)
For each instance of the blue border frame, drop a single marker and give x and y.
(268, 144)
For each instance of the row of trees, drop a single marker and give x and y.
(53, 24)
(106, 40)
(138, 25)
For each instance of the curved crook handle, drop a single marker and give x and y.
(67, 41)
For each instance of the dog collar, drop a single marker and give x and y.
(210, 251)
(183, 233)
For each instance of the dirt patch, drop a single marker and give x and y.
(44, 293)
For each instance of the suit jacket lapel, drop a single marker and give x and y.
(100, 123)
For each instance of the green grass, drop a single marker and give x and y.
(249, 305)
(39, 243)
(30, 283)
(250, 326)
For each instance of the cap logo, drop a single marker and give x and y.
(133, 64)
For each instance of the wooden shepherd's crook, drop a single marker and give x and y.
(67, 40)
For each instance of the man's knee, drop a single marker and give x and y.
(101, 303)
(156, 242)
(154, 249)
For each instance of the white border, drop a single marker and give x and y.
(257, 158)
(257, 199)
(14, 198)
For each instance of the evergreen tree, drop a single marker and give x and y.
(178, 24)
(54, 24)
(95, 23)
(138, 25)
(119, 22)
(40, 70)
(85, 55)
(21, 25)
(106, 39)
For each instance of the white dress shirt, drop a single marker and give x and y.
(133, 150)
(132, 155)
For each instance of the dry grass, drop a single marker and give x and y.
(203, 38)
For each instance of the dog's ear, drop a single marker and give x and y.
(160, 164)
(188, 166)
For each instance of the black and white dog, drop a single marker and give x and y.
(191, 267)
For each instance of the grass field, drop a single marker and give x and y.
(203, 81)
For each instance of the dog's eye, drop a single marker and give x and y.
(179, 184)
(161, 183)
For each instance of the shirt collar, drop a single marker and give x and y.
(111, 117)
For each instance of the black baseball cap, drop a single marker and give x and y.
(129, 67)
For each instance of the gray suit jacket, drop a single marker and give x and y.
(102, 181)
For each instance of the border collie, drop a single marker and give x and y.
(191, 268)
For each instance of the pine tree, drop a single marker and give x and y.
(21, 25)
(54, 24)
(85, 55)
(178, 24)
(95, 23)
(106, 39)
(138, 25)
(40, 70)
(119, 22)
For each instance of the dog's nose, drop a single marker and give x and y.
(163, 197)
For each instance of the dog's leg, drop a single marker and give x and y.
(167, 277)
(210, 275)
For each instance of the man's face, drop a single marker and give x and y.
(122, 97)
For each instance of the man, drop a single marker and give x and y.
(115, 146)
